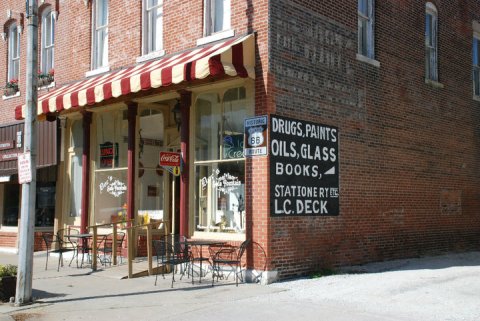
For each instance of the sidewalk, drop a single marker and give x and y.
(444, 288)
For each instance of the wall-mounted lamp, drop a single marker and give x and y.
(55, 15)
(177, 114)
(86, 2)
(19, 29)
(4, 36)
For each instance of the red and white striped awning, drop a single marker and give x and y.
(234, 57)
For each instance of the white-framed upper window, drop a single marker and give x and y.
(217, 16)
(431, 44)
(152, 26)
(48, 41)
(365, 28)
(13, 52)
(100, 34)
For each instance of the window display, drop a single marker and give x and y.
(111, 165)
(219, 161)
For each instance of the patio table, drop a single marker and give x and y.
(199, 244)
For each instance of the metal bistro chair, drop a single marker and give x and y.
(228, 256)
(72, 240)
(61, 246)
(172, 252)
(105, 250)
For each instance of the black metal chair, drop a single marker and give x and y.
(68, 234)
(230, 256)
(105, 249)
(172, 251)
(56, 244)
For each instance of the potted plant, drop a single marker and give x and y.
(8, 281)
(44, 79)
(11, 87)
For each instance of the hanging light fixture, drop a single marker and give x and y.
(177, 114)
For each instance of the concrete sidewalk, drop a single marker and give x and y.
(441, 288)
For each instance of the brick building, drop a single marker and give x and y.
(372, 122)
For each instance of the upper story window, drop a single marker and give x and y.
(153, 26)
(13, 52)
(100, 34)
(48, 41)
(476, 65)
(217, 16)
(431, 47)
(217, 21)
(365, 28)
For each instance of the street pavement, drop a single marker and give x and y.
(442, 288)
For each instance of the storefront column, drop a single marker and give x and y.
(132, 121)
(185, 103)
(87, 121)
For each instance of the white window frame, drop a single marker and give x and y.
(99, 31)
(152, 28)
(210, 33)
(13, 52)
(366, 46)
(431, 43)
(48, 49)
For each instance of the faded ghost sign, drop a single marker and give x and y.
(303, 168)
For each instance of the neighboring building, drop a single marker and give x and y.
(373, 121)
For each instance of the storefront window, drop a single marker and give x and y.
(45, 209)
(111, 166)
(11, 209)
(150, 175)
(219, 161)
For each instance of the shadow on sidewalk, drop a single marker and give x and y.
(40, 295)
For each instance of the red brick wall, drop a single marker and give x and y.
(409, 152)
(9, 239)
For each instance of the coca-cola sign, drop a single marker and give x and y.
(169, 159)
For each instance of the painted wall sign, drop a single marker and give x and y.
(24, 168)
(8, 156)
(6, 145)
(108, 154)
(256, 136)
(303, 168)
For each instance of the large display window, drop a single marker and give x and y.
(219, 162)
(150, 187)
(110, 181)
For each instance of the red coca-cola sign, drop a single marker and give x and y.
(169, 159)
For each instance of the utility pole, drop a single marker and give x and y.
(27, 217)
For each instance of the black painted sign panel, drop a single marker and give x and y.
(303, 168)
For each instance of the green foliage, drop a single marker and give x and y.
(8, 270)
(323, 272)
